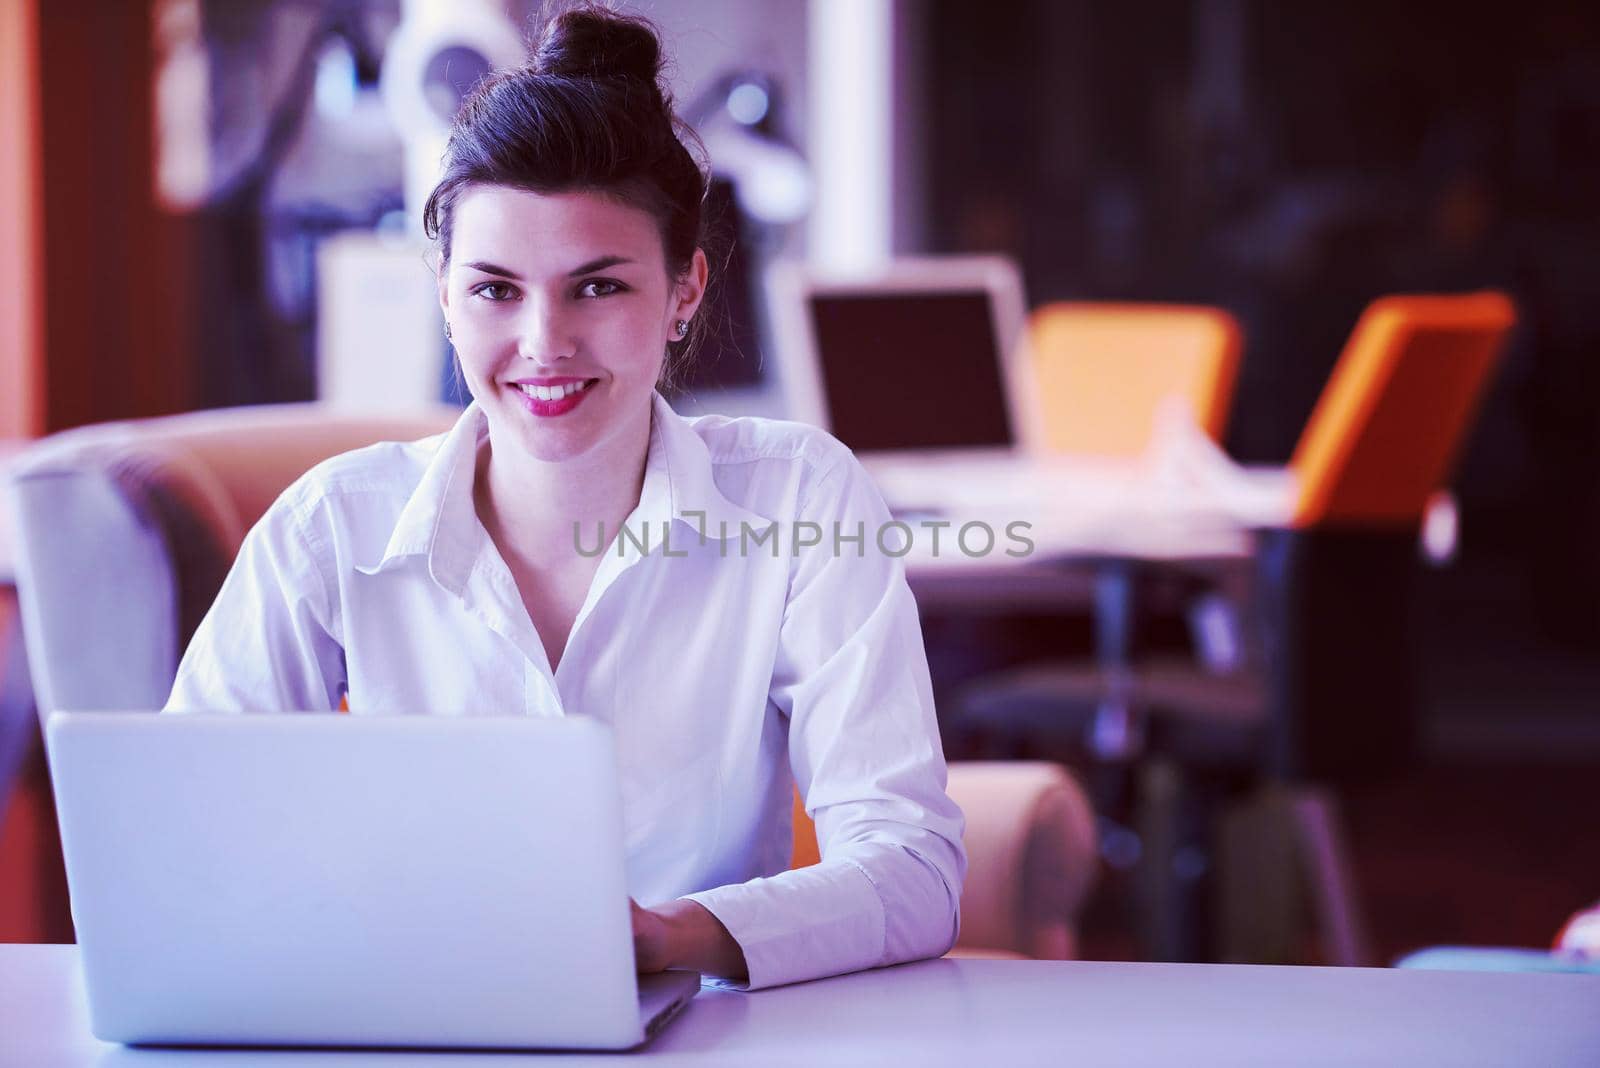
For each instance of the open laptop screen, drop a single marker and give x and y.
(907, 369)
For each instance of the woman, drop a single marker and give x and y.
(711, 588)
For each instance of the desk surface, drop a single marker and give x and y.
(972, 1012)
(1072, 505)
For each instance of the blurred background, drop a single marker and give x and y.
(210, 203)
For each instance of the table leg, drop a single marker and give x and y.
(1116, 733)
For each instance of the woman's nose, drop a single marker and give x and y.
(545, 334)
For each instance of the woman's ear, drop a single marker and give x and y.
(442, 277)
(691, 287)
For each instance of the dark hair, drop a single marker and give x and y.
(588, 112)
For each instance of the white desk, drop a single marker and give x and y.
(1103, 513)
(1155, 508)
(970, 1013)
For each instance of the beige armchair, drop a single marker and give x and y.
(125, 531)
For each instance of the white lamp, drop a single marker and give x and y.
(440, 50)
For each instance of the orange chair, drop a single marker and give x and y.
(1395, 412)
(1333, 693)
(1103, 371)
(1335, 587)
(1379, 445)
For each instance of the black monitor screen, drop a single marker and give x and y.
(911, 370)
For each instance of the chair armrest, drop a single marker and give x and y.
(1031, 856)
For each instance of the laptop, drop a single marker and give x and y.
(919, 366)
(335, 880)
(916, 355)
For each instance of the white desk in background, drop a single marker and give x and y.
(1157, 508)
(1078, 510)
(977, 1012)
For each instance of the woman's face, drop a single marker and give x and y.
(560, 309)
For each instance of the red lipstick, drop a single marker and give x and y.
(555, 406)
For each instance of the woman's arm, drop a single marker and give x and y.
(852, 676)
(268, 643)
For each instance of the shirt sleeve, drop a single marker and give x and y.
(269, 642)
(852, 676)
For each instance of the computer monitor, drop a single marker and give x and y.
(916, 355)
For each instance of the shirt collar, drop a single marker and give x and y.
(690, 478)
(439, 519)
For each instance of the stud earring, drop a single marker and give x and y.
(682, 327)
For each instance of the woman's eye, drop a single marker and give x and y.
(495, 291)
(600, 287)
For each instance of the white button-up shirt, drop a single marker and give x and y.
(730, 655)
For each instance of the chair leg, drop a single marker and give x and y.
(1170, 877)
(1325, 857)
(1116, 733)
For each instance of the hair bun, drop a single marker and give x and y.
(591, 42)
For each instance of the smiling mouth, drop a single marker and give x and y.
(555, 392)
(547, 401)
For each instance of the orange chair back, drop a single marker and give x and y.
(1104, 371)
(1388, 426)
(805, 852)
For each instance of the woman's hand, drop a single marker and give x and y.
(684, 934)
(650, 949)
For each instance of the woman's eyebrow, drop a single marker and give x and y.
(599, 264)
(490, 268)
